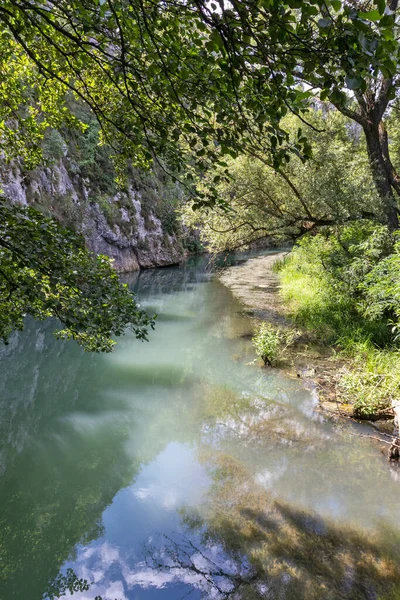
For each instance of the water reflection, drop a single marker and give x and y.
(240, 541)
(177, 468)
(246, 543)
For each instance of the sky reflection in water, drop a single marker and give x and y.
(177, 468)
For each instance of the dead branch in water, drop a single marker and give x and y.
(378, 439)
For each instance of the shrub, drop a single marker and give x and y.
(381, 292)
(54, 146)
(372, 381)
(345, 288)
(269, 342)
(324, 283)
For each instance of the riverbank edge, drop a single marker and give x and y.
(257, 287)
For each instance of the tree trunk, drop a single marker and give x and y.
(381, 174)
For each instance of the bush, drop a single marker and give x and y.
(372, 381)
(324, 283)
(54, 146)
(381, 292)
(345, 288)
(269, 342)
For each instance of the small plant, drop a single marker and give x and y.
(269, 342)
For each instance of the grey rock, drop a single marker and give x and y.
(142, 244)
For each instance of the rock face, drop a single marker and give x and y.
(141, 245)
(119, 225)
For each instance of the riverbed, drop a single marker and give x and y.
(181, 468)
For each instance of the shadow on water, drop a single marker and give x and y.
(169, 280)
(244, 543)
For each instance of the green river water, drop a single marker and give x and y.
(177, 468)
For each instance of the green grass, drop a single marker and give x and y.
(371, 377)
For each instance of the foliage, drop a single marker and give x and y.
(66, 583)
(247, 62)
(343, 287)
(381, 290)
(87, 156)
(331, 188)
(102, 63)
(54, 146)
(28, 107)
(372, 381)
(46, 272)
(269, 342)
(322, 282)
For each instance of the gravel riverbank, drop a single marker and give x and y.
(256, 285)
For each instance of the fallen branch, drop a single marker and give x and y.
(394, 450)
(394, 442)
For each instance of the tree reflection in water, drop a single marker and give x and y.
(205, 566)
(244, 543)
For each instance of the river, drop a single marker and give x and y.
(180, 468)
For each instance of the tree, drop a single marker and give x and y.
(374, 31)
(334, 187)
(346, 52)
(46, 272)
(142, 67)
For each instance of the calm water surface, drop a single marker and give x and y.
(177, 468)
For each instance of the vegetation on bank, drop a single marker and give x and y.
(333, 188)
(270, 342)
(344, 286)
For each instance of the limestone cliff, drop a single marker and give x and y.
(122, 224)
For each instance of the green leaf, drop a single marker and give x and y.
(324, 95)
(371, 15)
(353, 82)
(325, 22)
(387, 21)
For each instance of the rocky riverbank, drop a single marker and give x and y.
(256, 285)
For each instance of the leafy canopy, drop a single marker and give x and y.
(191, 81)
(183, 82)
(46, 272)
